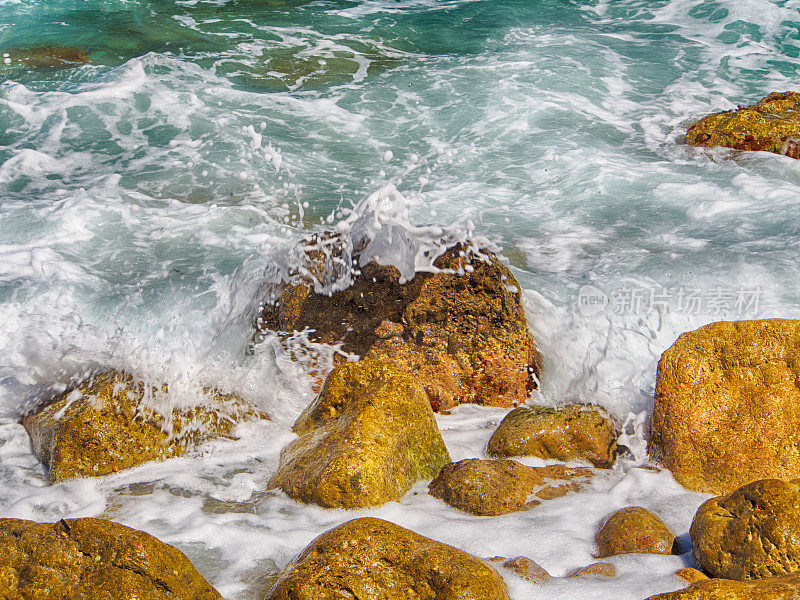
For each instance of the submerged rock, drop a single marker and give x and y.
(497, 487)
(461, 331)
(634, 530)
(372, 559)
(786, 587)
(598, 569)
(45, 57)
(524, 567)
(366, 439)
(101, 427)
(751, 533)
(85, 559)
(574, 432)
(727, 405)
(771, 125)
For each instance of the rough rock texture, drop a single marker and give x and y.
(691, 575)
(752, 533)
(371, 559)
(727, 405)
(771, 125)
(101, 427)
(46, 57)
(524, 567)
(366, 439)
(598, 569)
(93, 559)
(634, 530)
(786, 587)
(463, 333)
(496, 487)
(574, 432)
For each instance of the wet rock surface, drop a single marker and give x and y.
(770, 125)
(496, 487)
(634, 530)
(786, 587)
(598, 569)
(372, 559)
(101, 427)
(574, 432)
(366, 439)
(727, 405)
(93, 559)
(461, 331)
(751, 533)
(524, 567)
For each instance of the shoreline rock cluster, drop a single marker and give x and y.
(726, 421)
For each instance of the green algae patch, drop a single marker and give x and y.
(101, 426)
(366, 439)
(770, 125)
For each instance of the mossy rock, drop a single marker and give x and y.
(634, 530)
(727, 405)
(461, 331)
(786, 587)
(751, 533)
(770, 125)
(574, 432)
(101, 426)
(496, 487)
(372, 559)
(93, 559)
(366, 439)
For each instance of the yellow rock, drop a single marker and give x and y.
(372, 559)
(101, 427)
(786, 587)
(771, 125)
(727, 405)
(366, 439)
(93, 559)
(574, 432)
(634, 530)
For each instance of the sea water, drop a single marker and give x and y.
(151, 198)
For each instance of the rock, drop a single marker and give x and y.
(101, 427)
(463, 333)
(598, 569)
(751, 533)
(45, 57)
(574, 432)
(526, 568)
(786, 587)
(634, 530)
(497, 487)
(93, 559)
(691, 575)
(372, 559)
(727, 405)
(771, 125)
(366, 439)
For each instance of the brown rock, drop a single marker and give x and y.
(101, 427)
(634, 530)
(727, 405)
(752, 533)
(462, 332)
(496, 487)
(598, 569)
(574, 432)
(46, 57)
(691, 575)
(786, 587)
(528, 569)
(366, 439)
(771, 125)
(371, 559)
(93, 559)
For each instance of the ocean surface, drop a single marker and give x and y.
(151, 196)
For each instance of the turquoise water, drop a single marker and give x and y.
(150, 195)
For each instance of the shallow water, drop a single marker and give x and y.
(150, 196)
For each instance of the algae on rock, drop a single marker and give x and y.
(372, 559)
(93, 559)
(366, 439)
(634, 530)
(101, 426)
